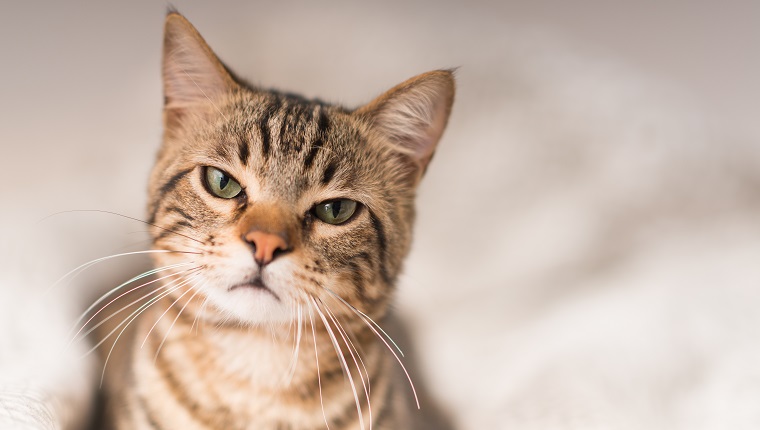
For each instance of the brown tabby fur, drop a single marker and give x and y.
(218, 357)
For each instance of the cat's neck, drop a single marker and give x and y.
(273, 356)
(261, 377)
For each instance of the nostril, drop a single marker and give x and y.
(279, 251)
(266, 246)
(250, 243)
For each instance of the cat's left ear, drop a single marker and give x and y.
(413, 115)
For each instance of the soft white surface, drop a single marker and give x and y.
(44, 382)
(587, 242)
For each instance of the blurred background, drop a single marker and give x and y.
(587, 248)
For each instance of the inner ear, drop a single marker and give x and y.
(192, 73)
(413, 115)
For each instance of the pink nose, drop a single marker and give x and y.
(267, 246)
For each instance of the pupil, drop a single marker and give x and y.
(223, 181)
(336, 209)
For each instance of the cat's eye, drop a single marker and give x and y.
(221, 184)
(335, 211)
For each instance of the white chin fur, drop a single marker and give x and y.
(251, 305)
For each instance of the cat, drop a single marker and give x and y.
(279, 228)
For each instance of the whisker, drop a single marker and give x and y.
(202, 92)
(195, 275)
(367, 320)
(294, 359)
(123, 216)
(95, 327)
(351, 349)
(342, 358)
(176, 318)
(113, 290)
(272, 332)
(290, 323)
(319, 374)
(91, 263)
(363, 315)
(324, 148)
(348, 336)
(197, 315)
(293, 308)
(146, 306)
(167, 290)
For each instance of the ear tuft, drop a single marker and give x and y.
(192, 73)
(413, 115)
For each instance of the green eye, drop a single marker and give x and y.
(335, 211)
(221, 184)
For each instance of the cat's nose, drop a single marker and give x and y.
(267, 246)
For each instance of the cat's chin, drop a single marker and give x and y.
(255, 286)
(251, 303)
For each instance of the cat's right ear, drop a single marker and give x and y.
(192, 73)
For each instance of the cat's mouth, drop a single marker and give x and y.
(256, 284)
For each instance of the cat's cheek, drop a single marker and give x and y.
(230, 266)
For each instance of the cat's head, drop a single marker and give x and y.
(284, 201)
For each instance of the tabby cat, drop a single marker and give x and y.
(279, 226)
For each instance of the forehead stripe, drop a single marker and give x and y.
(264, 128)
(323, 122)
(315, 146)
(244, 150)
(328, 174)
(264, 135)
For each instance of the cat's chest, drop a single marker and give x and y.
(240, 381)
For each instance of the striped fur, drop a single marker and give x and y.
(299, 353)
